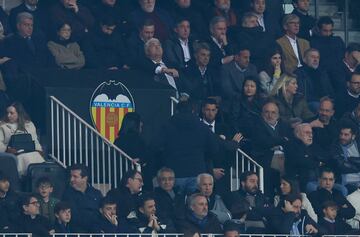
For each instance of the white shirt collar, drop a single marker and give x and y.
(353, 95)
(208, 124)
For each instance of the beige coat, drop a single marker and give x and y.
(69, 56)
(24, 159)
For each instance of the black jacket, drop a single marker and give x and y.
(345, 103)
(329, 58)
(174, 54)
(318, 197)
(186, 140)
(39, 226)
(217, 54)
(307, 22)
(303, 160)
(200, 86)
(84, 206)
(343, 164)
(125, 201)
(313, 83)
(191, 224)
(166, 206)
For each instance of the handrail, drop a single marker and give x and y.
(173, 101)
(91, 128)
(250, 164)
(73, 140)
(168, 235)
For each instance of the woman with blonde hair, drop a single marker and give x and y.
(17, 122)
(292, 105)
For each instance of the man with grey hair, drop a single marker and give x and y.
(220, 47)
(303, 156)
(170, 202)
(148, 10)
(198, 219)
(205, 183)
(26, 48)
(293, 48)
(30, 6)
(313, 81)
(155, 65)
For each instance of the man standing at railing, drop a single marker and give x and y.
(227, 141)
(83, 198)
(187, 146)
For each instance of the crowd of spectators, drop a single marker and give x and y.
(279, 86)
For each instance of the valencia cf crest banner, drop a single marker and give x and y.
(108, 106)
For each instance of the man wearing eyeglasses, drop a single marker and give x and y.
(31, 220)
(346, 101)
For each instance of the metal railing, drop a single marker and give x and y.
(73, 141)
(15, 235)
(169, 235)
(244, 162)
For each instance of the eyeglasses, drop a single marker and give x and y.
(294, 23)
(34, 203)
(139, 179)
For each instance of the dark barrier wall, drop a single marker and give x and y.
(75, 89)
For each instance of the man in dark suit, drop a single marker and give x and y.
(137, 41)
(178, 50)
(30, 6)
(220, 47)
(307, 22)
(77, 15)
(293, 47)
(342, 73)
(266, 19)
(269, 136)
(163, 72)
(228, 141)
(201, 81)
(325, 40)
(27, 49)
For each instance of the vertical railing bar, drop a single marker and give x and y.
(75, 140)
(92, 158)
(58, 132)
(103, 166)
(69, 138)
(97, 158)
(64, 144)
(237, 170)
(109, 166)
(52, 127)
(80, 143)
(86, 147)
(115, 169)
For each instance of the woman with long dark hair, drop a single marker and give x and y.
(273, 73)
(248, 107)
(290, 185)
(15, 122)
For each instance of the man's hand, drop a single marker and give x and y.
(113, 68)
(113, 219)
(310, 229)
(218, 173)
(238, 137)
(317, 124)
(227, 59)
(288, 207)
(223, 40)
(171, 71)
(4, 60)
